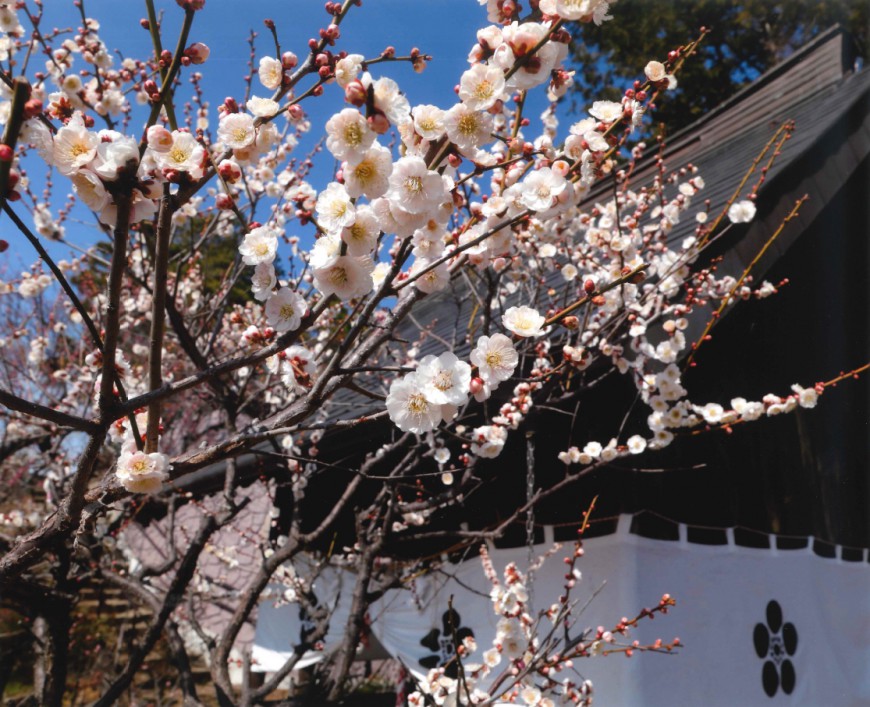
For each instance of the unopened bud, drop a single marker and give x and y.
(572, 323)
(379, 123)
(229, 171)
(197, 52)
(289, 60)
(355, 93)
(32, 108)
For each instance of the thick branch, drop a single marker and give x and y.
(13, 402)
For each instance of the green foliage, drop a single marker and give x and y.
(745, 39)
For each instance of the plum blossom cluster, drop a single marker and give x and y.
(419, 401)
(531, 661)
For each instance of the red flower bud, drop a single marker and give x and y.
(6, 153)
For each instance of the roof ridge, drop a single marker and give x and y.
(762, 82)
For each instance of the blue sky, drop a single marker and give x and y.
(443, 28)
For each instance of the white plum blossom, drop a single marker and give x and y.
(236, 130)
(346, 278)
(408, 407)
(263, 281)
(334, 208)
(261, 107)
(432, 279)
(361, 236)
(297, 368)
(390, 100)
(369, 175)
(90, 189)
(636, 444)
(415, 188)
(807, 397)
(74, 146)
(741, 211)
(655, 71)
(348, 135)
(495, 357)
(541, 189)
(285, 309)
(606, 111)
(119, 155)
(326, 251)
(185, 155)
(270, 72)
(481, 86)
(259, 246)
(139, 472)
(444, 379)
(468, 128)
(159, 139)
(523, 321)
(488, 440)
(584, 10)
(428, 121)
(348, 68)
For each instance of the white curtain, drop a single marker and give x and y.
(758, 626)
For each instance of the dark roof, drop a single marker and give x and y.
(797, 474)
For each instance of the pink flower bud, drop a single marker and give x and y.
(355, 93)
(6, 153)
(159, 138)
(224, 202)
(379, 123)
(476, 385)
(289, 60)
(198, 53)
(32, 108)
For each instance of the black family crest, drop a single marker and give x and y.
(776, 643)
(441, 643)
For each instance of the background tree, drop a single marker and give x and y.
(745, 39)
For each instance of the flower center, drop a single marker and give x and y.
(240, 134)
(177, 155)
(78, 149)
(483, 90)
(443, 381)
(353, 134)
(493, 359)
(287, 311)
(364, 171)
(417, 404)
(414, 185)
(468, 124)
(338, 276)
